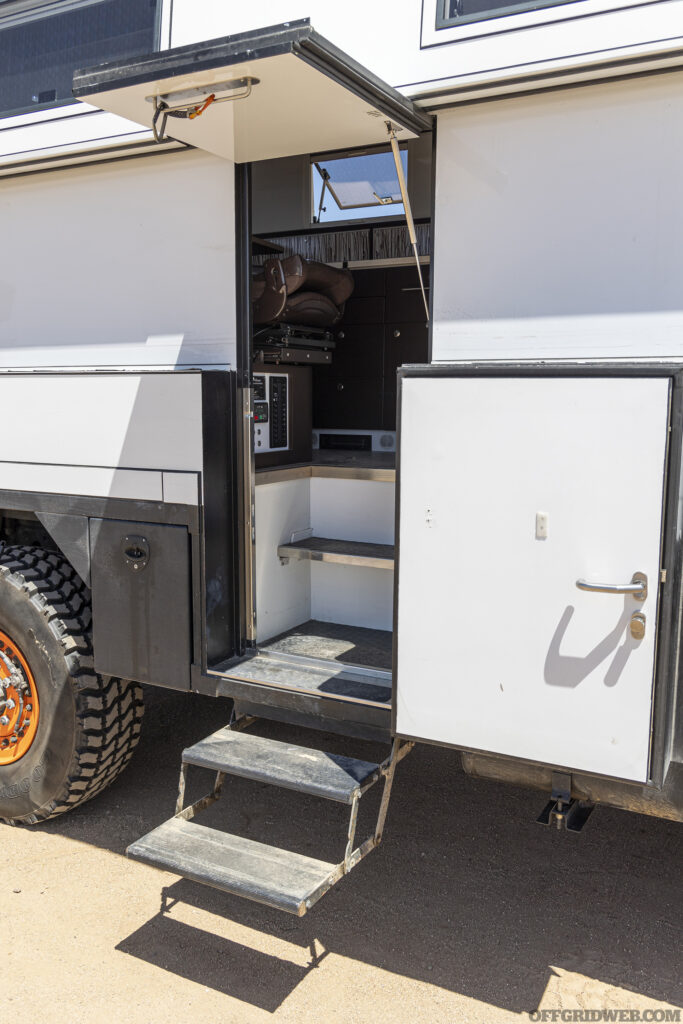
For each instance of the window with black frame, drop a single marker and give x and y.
(458, 12)
(42, 43)
(347, 186)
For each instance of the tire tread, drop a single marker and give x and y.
(109, 711)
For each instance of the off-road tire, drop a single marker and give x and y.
(89, 725)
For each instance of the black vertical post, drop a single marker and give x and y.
(243, 272)
(244, 450)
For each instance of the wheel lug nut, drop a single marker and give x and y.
(4, 720)
(13, 740)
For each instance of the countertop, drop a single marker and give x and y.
(341, 465)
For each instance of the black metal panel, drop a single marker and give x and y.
(104, 508)
(244, 455)
(670, 611)
(243, 272)
(141, 601)
(221, 516)
(72, 537)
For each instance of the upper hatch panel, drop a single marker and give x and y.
(297, 94)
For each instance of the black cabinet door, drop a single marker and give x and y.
(403, 343)
(370, 281)
(349, 403)
(141, 601)
(348, 394)
(404, 302)
(362, 309)
(359, 352)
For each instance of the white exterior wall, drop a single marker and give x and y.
(400, 44)
(558, 224)
(121, 264)
(103, 435)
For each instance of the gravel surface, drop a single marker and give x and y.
(469, 911)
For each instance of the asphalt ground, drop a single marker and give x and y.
(468, 911)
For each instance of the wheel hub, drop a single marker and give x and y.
(18, 703)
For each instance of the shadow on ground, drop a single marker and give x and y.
(466, 892)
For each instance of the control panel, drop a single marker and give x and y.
(271, 412)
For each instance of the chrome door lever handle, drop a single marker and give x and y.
(637, 587)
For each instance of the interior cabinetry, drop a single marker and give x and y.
(384, 326)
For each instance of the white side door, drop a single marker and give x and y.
(511, 490)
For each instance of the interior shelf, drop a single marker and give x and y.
(344, 552)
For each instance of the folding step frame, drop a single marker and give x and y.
(353, 854)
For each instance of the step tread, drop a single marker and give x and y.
(332, 776)
(280, 879)
(346, 552)
(332, 677)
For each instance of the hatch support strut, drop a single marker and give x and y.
(406, 206)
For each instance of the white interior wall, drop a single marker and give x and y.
(352, 595)
(558, 224)
(283, 592)
(287, 595)
(353, 509)
(121, 264)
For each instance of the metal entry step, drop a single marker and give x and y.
(280, 879)
(344, 552)
(353, 683)
(303, 769)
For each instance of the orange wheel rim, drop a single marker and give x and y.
(19, 709)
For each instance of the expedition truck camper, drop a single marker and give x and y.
(358, 403)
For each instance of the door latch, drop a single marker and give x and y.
(637, 625)
(135, 552)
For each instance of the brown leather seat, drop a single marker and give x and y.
(314, 293)
(311, 309)
(308, 275)
(268, 293)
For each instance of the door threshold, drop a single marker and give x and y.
(316, 677)
(312, 662)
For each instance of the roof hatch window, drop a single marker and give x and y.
(355, 185)
(42, 43)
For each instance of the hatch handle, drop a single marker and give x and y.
(637, 587)
(135, 550)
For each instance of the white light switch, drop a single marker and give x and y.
(541, 526)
